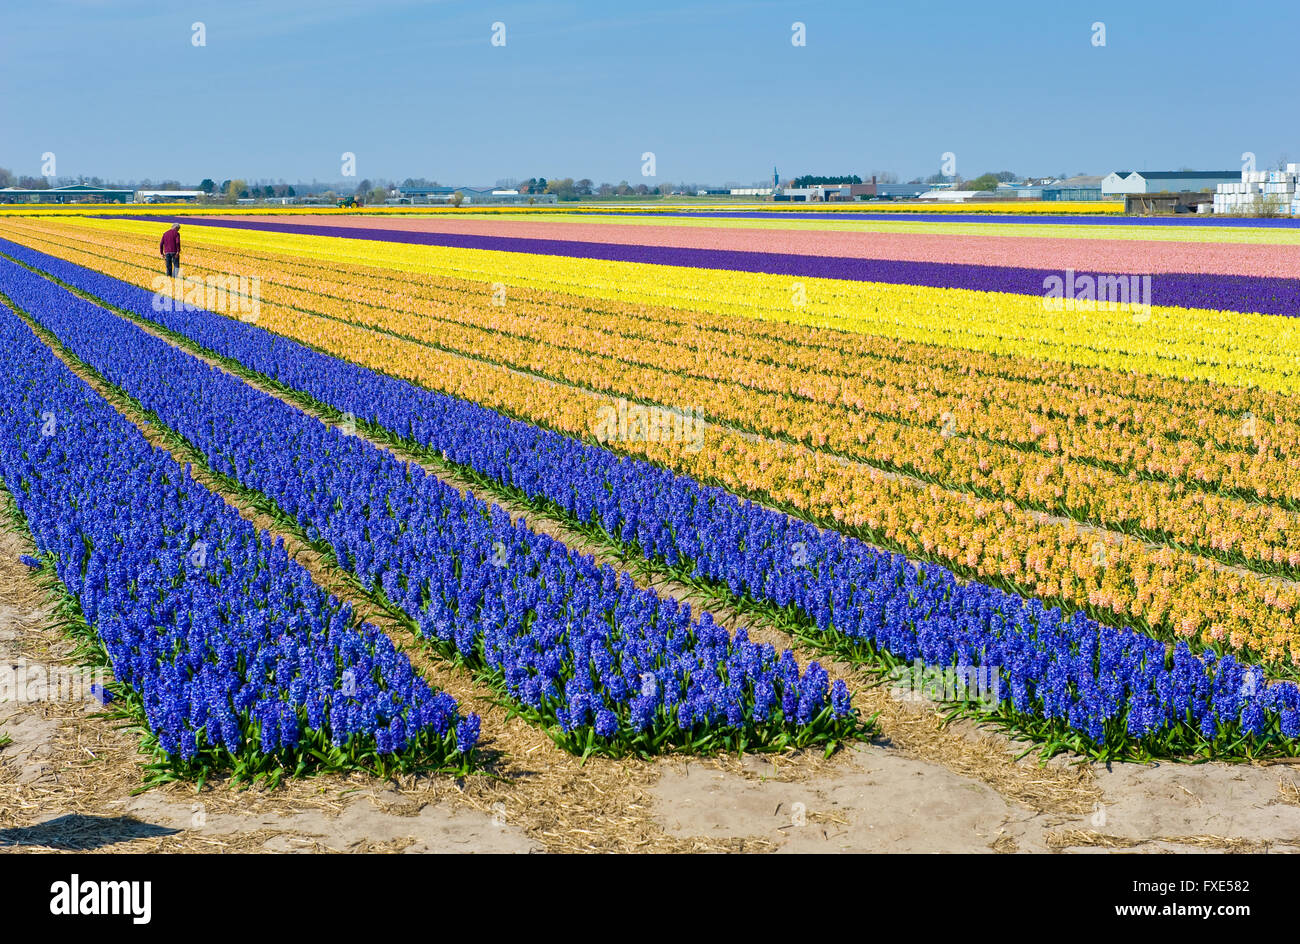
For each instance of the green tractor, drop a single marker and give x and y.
(350, 202)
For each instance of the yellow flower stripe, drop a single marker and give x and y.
(1117, 577)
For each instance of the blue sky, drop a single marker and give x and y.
(716, 90)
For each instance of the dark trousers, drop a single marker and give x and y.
(173, 263)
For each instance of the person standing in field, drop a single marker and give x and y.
(170, 249)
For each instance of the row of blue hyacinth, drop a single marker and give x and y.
(227, 646)
(1111, 689)
(616, 667)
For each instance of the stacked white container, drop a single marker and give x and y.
(1273, 191)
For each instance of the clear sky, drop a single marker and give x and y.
(716, 90)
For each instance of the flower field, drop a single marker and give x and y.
(1063, 247)
(224, 643)
(877, 436)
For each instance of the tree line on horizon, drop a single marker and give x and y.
(564, 188)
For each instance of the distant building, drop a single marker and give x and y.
(76, 193)
(834, 192)
(901, 191)
(815, 194)
(950, 196)
(1123, 182)
(167, 196)
(1183, 201)
(471, 195)
(1083, 187)
(1025, 190)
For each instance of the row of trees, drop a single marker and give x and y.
(7, 179)
(988, 181)
(232, 190)
(366, 190)
(985, 181)
(566, 188)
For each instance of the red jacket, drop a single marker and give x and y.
(171, 241)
